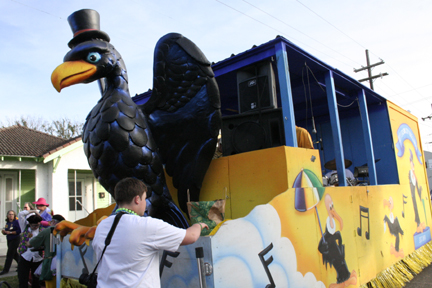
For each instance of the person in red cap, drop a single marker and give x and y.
(44, 211)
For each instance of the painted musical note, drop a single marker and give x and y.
(364, 213)
(266, 263)
(164, 262)
(403, 204)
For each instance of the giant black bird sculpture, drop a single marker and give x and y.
(177, 127)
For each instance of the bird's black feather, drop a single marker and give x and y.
(184, 113)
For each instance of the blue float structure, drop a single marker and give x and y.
(269, 90)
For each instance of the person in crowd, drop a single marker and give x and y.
(304, 139)
(44, 211)
(349, 175)
(12, 231)
(28, 208)
(29, 260)
(49, 260)
(138, 267)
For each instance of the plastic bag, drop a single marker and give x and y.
(210, 212)
(54, 266)
(38, 270)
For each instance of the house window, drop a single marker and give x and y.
(75, 196)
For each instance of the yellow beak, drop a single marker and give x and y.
(70, 73)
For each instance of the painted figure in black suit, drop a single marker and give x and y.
(414, 185)
(332, 249)
(394, 228)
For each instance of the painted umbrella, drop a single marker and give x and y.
(308, 192)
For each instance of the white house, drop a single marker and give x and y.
(34, 164)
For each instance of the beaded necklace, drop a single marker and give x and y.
(126, 210)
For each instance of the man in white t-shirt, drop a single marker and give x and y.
(132, 258)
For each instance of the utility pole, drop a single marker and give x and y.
(427, 117)
(369, 68)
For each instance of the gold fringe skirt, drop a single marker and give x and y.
(397, 275)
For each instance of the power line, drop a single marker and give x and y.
(283, 33)
(279, 31)
(34, 8)
(283, 22)
(413, 89)
(370, 78)
(268, 26)
(330, 24)
(356, 43)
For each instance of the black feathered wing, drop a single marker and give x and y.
(118, 144)
(184, 113)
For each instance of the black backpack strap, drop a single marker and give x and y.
(109, 236)
(113, 227)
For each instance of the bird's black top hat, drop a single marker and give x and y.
(85, 25)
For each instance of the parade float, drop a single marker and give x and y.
(286, 223)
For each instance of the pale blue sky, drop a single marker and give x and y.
(34, 36)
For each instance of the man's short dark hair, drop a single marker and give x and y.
(126, 190)
(58, 217)
(34, 219)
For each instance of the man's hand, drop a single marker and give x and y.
(193, 233)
